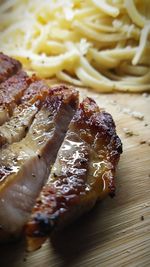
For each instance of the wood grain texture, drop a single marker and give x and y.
(116, 232)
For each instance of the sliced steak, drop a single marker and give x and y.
(36, 91)
(24, 166)
(17, 127)
(83, 173)
(10, 94)
(8, 67)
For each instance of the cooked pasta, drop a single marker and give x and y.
(100, 44)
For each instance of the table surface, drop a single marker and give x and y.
(117, 231)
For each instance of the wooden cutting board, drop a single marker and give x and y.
(117, 231)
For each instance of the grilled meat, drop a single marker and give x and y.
(33, 122)
(10, 93)
(8, 67)
(17, 126)
(83, 173)
(16, 129)
(25, 165)
(36, 91)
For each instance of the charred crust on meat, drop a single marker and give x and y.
(61, 95)
(12, 90)
(45, 224)
(37, 90)
(10, 67)
(100, 122)
(68, 92)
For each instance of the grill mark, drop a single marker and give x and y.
(8, 67)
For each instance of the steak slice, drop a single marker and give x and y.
(37, 90)
(10, 94)
(8, 67)
(16, 128)
(82, 174)
(24, 166)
